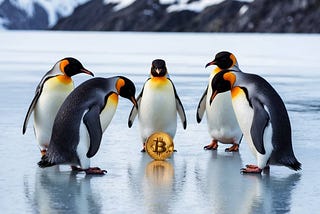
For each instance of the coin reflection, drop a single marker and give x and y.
(160, 173)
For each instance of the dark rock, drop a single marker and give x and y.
(19, 19)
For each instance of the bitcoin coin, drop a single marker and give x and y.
(159, 146)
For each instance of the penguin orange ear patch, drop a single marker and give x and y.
(63, 64)
(119, 84)
(230, 77)
(233, 58)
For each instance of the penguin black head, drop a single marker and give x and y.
(224, 60)
(222, 82)
(126, 89)
(158, 68)
(71, 66)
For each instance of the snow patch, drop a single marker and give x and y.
(54, 8)
(120, 3)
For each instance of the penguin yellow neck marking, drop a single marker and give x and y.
(64, 79)
(159, 81)
(113, 98)
(236, 91)
(216, 70)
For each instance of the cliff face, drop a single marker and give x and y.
(290, 16)
(273, 16)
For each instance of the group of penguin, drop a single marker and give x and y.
(69, 122)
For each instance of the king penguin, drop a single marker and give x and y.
(158, 104)
(50, 93)
(262, 117)
(221, 119)
(82, 119)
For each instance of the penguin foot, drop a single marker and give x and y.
(144, 148)
(211, 146)
(233, 148)
(95, 171)
(44, 162)
(250, 169)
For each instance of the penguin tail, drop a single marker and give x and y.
(45, 162)
(295, 166)
(292, 163)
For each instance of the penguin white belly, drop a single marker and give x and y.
(49, 102)
(105, 116)
(157, 110)
(83, 145)
(244, 114)
(108, 111)
(221, 119)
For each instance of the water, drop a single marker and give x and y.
(192, 180)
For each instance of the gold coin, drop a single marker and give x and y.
(159, 146)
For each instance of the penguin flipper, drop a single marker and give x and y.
(180, 108)
(134, 111)
(260, 122)
(202, 106)
(92, 121)
(30, 110)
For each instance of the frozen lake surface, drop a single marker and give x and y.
(192, 180)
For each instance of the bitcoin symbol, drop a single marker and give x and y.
(159, 146)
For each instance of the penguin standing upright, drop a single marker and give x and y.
(158, 104)
(82, 119)
(52, 90)
(221, 119)
(262, 117)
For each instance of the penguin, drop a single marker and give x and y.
(82, 119)
(221, 120)
(50, 93)
(262, 117)
(158, 104)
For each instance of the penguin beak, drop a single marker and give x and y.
(158, 71)
(134, 101)
(211, 63)
(214, 94)
(83, 70)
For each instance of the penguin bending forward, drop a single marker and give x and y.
(52, 90)
(158, 104)
(221, 119)
(82, 119)
(262, 117)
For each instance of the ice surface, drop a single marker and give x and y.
(191, 181)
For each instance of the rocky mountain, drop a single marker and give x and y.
(274, 16)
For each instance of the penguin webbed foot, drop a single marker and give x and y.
(251, 169)
(89, 171)
(233, 148)
(45, 162)
(95, 171)
(212, 146)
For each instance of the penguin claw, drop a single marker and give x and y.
(211, 146)
(250, 169)
(233, 148)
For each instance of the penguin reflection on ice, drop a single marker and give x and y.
(158, 104)
(52, 90)
(82, 119)
(55, 191)
(221, 120)
(262, 117)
